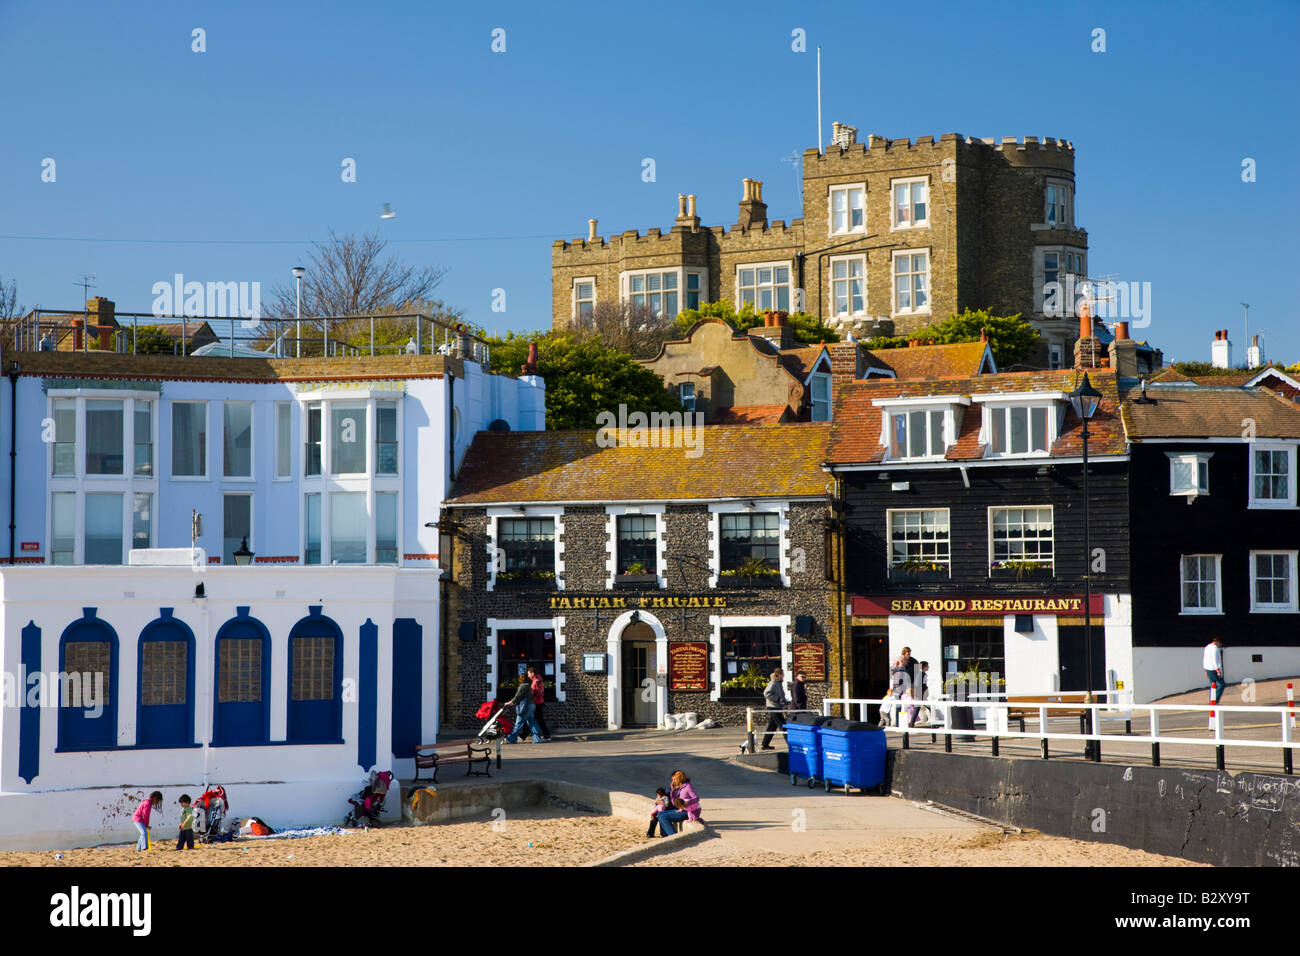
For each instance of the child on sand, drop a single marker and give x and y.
(661, 803)
(186, 837)
(141, 818)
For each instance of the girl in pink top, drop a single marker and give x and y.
(685, 805)
(141, 818)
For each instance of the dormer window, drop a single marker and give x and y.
(919, 428)
(1189, 473)
(1016, 425)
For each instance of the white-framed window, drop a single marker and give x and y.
(916, 433)
(1059, 204)
(283, 440)
(919, 535)
(819, 396)
(584, 298)
(1055, 264)
(848, 208)
(910, 205)
(526, 548)
(911, 281)
(1189, 473)
(763, 285)
(351, 510)
(1021, 425)
(686, 392)
(1020, 534)
(237, 440)
(919, 428)
(1273, 581)
(189, 439)
(101, 481)
(1272, 475)
(848, 285)
(663, 291)
(1199, 580)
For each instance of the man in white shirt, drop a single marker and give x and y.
(1212, 659)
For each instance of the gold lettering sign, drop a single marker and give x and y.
(635, 601)
(688, 665)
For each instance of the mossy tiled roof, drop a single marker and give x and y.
(124, 367)
(734, 461)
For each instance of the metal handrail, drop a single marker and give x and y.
(1284, 712)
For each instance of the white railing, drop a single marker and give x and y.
(997, 723)
(750, 732)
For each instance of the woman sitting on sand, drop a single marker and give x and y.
(685, 805)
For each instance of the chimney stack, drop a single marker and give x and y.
(686, 218)
(843, 135)
(753, 211)
(1255, 353)
(775, 329)
(1087, 350)
(591, 230)
(1221, 350)
(102, 319)
(1123, 353)
(845, 360)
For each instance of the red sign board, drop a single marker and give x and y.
(688, 665)
(809, 658)
(992, 605)
(31, 546)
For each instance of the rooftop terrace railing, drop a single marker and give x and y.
(997, 724)
(308, 337)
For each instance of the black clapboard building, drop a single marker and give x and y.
(963, 511)
(1216, 531)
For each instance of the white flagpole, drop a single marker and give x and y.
(819, 100)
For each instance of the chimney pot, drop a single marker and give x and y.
(690, 205)
(681, 204)
(591, 230)
(1121, 331)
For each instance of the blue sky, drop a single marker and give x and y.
(496, 154)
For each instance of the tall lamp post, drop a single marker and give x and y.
(298, 273)
(1084, 399)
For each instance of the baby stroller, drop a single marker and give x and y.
(496, 726)
(369, 803)
(212, 808)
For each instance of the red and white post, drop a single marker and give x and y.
(1290, 703)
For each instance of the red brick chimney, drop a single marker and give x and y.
(775, 329)
(1087, 350)
(844, 360)
(101, 318)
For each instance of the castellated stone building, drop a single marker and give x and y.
(895, 235)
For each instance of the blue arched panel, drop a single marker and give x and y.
(368, 696)
(88, 695)
(29, 721)
(242, 686)
(165, 702)
(315, 680)
(408, 668)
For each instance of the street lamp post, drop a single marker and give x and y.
(1084, 400)
(298, 272)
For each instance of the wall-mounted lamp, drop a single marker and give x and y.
(243, 557)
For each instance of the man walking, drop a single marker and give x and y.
(798, 692)
(775, 699)
(1212, 659)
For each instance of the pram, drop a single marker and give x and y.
(212, 808)
(369, 803)
(496, 726)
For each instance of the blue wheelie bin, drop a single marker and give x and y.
(802, 732)
(853, 754)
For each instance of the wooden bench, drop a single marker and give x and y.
(1021, 707)
(468, 752)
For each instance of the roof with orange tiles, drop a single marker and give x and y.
(1182, 411)
(738, 461)
(121, 367)
(753, 415)
(855, 438)
(959, 360)
(799, 362)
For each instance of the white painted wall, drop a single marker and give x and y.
(1032, 660)
(1161, 671)
(924, 635)
(311, 782)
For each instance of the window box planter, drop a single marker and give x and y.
(1021, 574)
(905, 576)
(737, 580)
(520, 580)
(640, 581)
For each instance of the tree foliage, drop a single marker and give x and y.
(1012, 338)
(808, 329)
(151, 340)
(583, 377)
(628, 328)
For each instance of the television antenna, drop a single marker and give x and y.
(87, 282)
